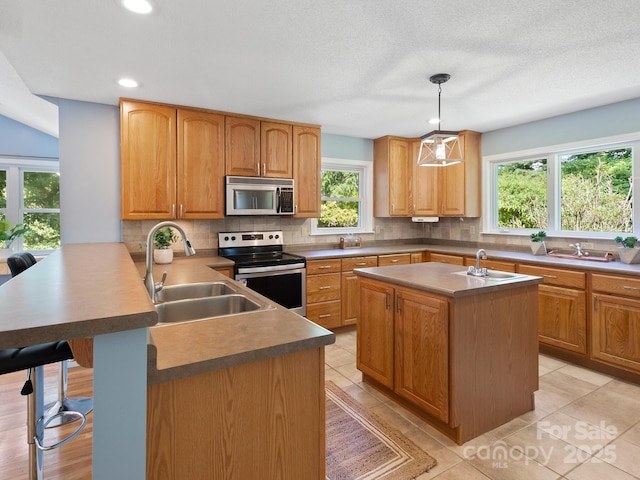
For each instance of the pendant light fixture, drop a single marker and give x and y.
(440, 148)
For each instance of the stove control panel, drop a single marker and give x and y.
(250, 239)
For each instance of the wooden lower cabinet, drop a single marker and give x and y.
(350, 293)
(422, 351)
(323, 292)
(374, 337)
(562, 312)
(264, 420)
(394, 259)
(326, 314)
(227, 271)
(616, 331)
(444, 258)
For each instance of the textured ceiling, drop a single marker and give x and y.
(356, 67)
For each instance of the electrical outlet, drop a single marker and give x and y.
(586, 245)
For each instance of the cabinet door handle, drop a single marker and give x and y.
(398, 303)
(173, 210)
(326, 315)
(264, 169)
(325, 287)
(386, 300)
(595, 304)
(550, 276)
(323, 267)
(395, 260)
(258, 168)
(628, 287)
(181, 211)
(361, 264)
(444, 261)
(393, 208)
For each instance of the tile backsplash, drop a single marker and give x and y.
(204, 233)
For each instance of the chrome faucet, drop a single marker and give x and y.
(477, 271)
(579, 251)
(151, 286)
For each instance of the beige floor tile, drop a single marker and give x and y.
(336, 356)
(350, 371)
(585, 374)
(632, 435)
(510, 465)
(623, 455)
(460, 471)
(580, 434)
(550, 451)
(550, 363)
(598, 471)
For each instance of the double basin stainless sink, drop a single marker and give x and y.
(200, 301)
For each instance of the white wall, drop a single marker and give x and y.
(89, 172)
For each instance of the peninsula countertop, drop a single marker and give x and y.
(81, 290)
(443, 279)
(186, 349)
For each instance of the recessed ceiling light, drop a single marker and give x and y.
(137, 6)
(434, 121)
(127, 82)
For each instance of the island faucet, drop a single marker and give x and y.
(478, 272)
(151, 286)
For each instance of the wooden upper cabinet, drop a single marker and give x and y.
(200, 165)
(147, 160)
(276, 150)
(460, 183)
(392, 177)
(242, 146)
(425, 189)
(306, 171)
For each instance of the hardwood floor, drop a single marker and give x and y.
(72, 461)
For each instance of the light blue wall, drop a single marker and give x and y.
(89, 172)
(351, 148)
(21, 140)
(610, 120)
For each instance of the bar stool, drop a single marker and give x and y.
(33, 359)
(54, 411)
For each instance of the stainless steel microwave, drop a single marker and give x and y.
(259, 196)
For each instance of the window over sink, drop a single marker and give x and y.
(577, 190)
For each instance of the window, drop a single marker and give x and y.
(585, 191)
(30, 194)
(345, 205)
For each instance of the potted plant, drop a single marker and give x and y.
(162, 241)
(537, 243)
(8, 234)
(628, 251)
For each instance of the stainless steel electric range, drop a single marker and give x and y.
(263, 266)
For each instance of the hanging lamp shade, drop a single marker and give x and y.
(440, 148)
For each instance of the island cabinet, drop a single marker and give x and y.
(464, 360)
(562, 298)
(615, 332)
(172, 163)
(257, 148)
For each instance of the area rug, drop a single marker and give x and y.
(362, 446)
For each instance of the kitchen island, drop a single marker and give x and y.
(457, 350)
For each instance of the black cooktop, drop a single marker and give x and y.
(264, 259)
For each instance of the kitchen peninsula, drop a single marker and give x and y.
(96, 291)
(458, 350)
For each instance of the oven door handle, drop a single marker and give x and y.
(271, 268)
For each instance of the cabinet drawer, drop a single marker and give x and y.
(555, 276)
(397, 259)
(492, 264)
(443, 258)
(325, 314)
(321, 288)
(627, 286)
(417, 257)
(323, 266)
(349, 264)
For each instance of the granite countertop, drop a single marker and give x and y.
(492, 253)
(81, 290)
(181, 350)
(443, 279)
